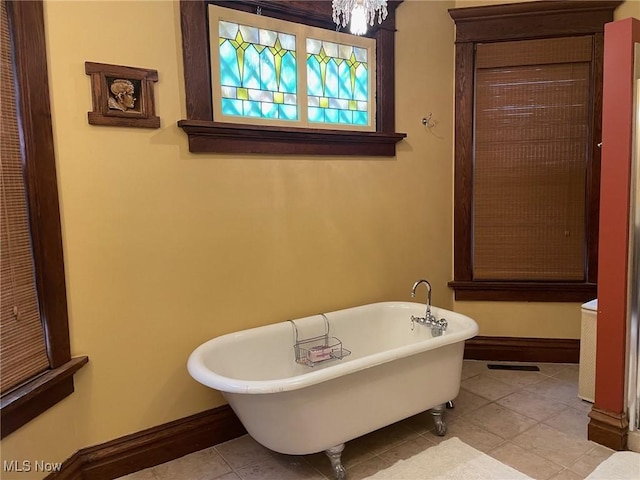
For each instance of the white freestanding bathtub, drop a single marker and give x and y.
(395, 369)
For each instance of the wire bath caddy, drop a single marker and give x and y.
(321, 348)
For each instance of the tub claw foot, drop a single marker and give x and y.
(437, 413)
(334, 454)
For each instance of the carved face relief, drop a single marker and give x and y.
(123, 95)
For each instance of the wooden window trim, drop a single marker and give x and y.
(526, 20)
(26, 21)
(206, 135)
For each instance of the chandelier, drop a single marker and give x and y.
(360, 12)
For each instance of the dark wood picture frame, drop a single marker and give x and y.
(122, 96)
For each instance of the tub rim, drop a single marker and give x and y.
(198, 370)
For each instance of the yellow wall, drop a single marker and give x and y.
(630, 8)
(524, 319)
(165, 249)
(481, 3)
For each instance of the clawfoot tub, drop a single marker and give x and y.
(312, 384)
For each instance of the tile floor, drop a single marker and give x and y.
(532, 421)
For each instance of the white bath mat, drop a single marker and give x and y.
(619, 466)
(450, 460)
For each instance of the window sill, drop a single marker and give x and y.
(26, 402)
(218, 137)
(524, 291)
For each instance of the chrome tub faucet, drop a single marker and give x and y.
(428, 315)
(438, 327)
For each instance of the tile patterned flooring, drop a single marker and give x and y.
(532, 421)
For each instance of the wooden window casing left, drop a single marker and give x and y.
(30, 399)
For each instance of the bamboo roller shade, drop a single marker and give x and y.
(532, 110)
(23, 352)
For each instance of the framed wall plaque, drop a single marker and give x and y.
(122, 96)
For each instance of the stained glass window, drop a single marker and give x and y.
(267, 70)
(337, 83)
(257, 72)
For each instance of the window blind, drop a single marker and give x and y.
(23, 352)
(530, 159)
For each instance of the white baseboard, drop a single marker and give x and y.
(633, 441)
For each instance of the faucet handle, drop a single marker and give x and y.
(438, 327)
